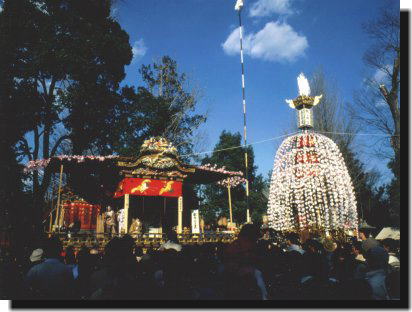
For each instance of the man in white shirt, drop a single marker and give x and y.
(172, 242)
(390, 246)
(293, 242)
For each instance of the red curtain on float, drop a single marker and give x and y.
(148, 187)
(84, 212)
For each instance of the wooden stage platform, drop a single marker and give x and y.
(146, 240)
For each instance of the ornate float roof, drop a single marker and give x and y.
(158, 159)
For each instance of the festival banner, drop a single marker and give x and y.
(195, 222)
(149, 187)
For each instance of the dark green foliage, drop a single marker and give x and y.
(61, 65)
(18, 102)
(57, 56)
(163, 106)
(216, 197)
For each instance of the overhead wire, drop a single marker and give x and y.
(282, 136)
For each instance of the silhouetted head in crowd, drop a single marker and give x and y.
(341, 258)
(250, 232)
(357, 248)
(293, 239)
(353, 239)
(264, 247)
(389, 244)
(52, 248)
(363, 235)
(313, 246)
(111, 251)
(138, 251)
(343, 252)
(377, 258)
(329, 245)
(128, 243)
(172, 236)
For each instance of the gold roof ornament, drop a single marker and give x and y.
(156, 145)
(304, 103)
(157, 155)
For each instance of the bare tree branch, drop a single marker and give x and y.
(57, 144)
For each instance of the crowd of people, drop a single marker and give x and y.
(249, 268)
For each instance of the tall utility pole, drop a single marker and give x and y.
(238, 8)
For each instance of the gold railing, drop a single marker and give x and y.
(146, 240)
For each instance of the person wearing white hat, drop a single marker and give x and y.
(36, 257)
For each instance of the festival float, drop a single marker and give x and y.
(310, 188)
(152, 187)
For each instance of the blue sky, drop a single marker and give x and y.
(282, 39)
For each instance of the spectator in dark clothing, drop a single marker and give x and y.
(51, 278)
(360, 261)
(390, 246)
(243, 279)
(344, 264)
(117, 278)
(247, 269)
(315, 282)
(377, 261)
(293, 242)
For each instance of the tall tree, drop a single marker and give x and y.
(163, 106)
(67, 44)
(377, 104)
(18, 103)
(331, 119)
(229, 153)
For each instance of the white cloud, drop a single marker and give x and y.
(381, 74)
(276, 42)
(268, 7)
(139, 49)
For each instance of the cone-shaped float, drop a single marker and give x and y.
(310, 185)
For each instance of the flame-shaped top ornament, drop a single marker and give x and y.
(304, 103)
(303, 85)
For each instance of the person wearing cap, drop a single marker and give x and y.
(368, 244)
(36, 257)
(377, 261)
(51, 279)
(390, 246)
